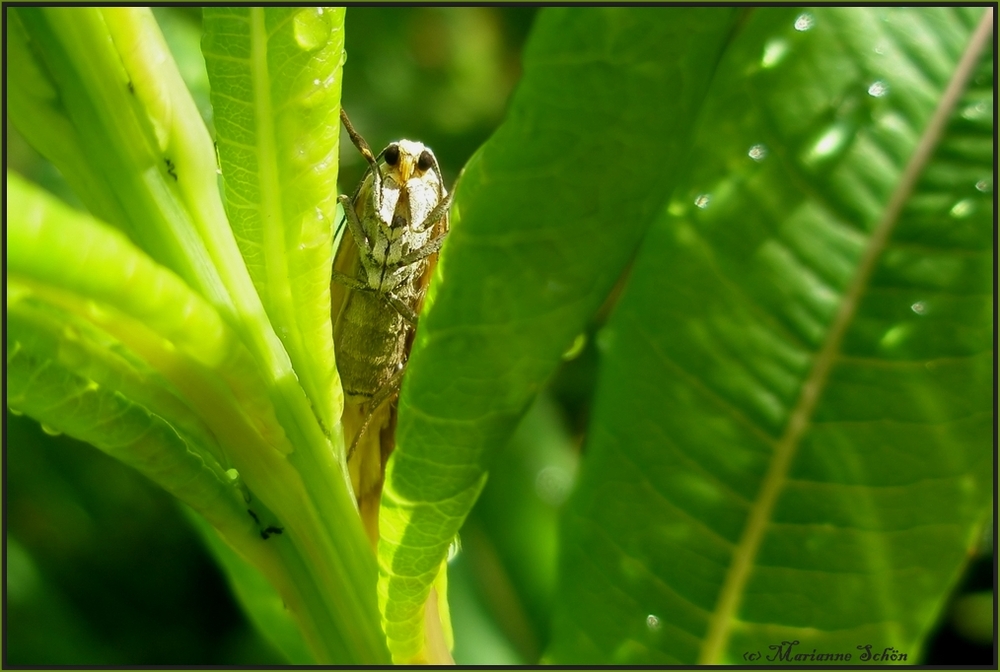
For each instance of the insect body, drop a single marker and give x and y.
(396, 222)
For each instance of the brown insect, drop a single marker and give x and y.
(396, 221)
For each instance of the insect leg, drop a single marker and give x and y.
(354, 224)
(422, 252)
(390, 388)
(404, 310)
(437, 213)
(349, 281)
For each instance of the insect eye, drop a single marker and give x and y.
(392, 155)
(425, 161)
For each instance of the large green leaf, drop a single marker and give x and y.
(546, 216)
(108, 347)
(108, 84)
(127, 135)
(276, 76)
(791, 436)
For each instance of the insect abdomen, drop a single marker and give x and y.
(371, 346)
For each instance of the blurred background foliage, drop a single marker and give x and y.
(104, 569)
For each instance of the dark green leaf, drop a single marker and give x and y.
(791, 438)
(546, 217)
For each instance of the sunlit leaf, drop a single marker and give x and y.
(791, 437)
(276, 75)
(546, 217)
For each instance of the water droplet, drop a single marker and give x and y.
(758, 153)
(653, 622)
(703, 200)
(50, 430)
(895, 336)
(552, 485)
(985, 186)
(829, 143)
(963, 208)
(575, 348)
(978, 110)
(454, 548)
(878, 89)
(879, 49)
(311, 30)
(774, 51)
(804, 22)
(316, 81)
(920, 308)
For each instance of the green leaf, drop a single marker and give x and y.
(105, 284)
(96, 326)
(108, 347)
(276, 75)
(149, 166)
(791, 436)
(118, 90)
(146, 143)
(546, 216)
(32, 95)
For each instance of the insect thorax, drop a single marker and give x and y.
(396, 230)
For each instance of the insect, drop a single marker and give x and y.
(265, 533)
(171, 169)
(396, 221)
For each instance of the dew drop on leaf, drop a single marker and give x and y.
(454, 548)
(878, 89)
(804, 22)
(575, 348)
(962, 209)
(774, 52)
(975, 111)
(895, 336)
(50, 431)
(829, 144)
(311, 29)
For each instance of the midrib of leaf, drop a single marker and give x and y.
(745, 552)
(275, 261)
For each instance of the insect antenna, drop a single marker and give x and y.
(366, 152)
